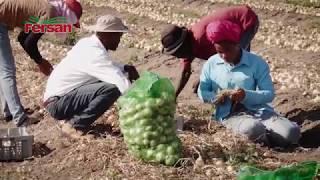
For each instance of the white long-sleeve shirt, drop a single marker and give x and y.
(87, 61)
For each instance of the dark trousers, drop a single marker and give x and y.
(82, 106)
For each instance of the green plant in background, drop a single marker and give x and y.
(71, 39)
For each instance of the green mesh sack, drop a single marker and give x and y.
(146, 115)
(302, 171)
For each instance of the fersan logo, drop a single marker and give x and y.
(53, 25)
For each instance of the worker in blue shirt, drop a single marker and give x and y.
(239, 84)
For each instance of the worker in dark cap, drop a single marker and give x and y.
(191, 43)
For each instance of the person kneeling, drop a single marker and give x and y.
(239, 84)
(87, 81)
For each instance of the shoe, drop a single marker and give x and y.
(67, 128)
(30, 119)
(6, 118)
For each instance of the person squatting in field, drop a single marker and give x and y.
(88, 80)
(239, 84)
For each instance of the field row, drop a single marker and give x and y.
(271, 32)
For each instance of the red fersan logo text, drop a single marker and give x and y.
(53, 25)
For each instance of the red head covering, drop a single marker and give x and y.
(223, 30)
(76, 7)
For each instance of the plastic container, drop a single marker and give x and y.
(15, 144)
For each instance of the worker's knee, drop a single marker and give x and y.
(248, 126)
(254, 129)
(289, 135)
(109, 90)
(292, 134)
(113, 91)
(283, 132)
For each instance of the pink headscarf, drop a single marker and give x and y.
(223, 30)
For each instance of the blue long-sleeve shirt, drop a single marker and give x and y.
(252, 74)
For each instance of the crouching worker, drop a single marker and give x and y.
(239, 84)
(88, 81)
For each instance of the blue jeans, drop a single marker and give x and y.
(10, 100)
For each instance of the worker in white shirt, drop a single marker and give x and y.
(88, 80)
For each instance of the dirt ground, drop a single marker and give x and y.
(289, 40)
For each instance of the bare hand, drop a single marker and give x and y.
(238, 95)
(220, 99)
(132, 71)
(222, 95)
(45, 67)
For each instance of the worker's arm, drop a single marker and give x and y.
(265, 91)
(107, 71)
(207, 87)
(29, 42)
(184, 77)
